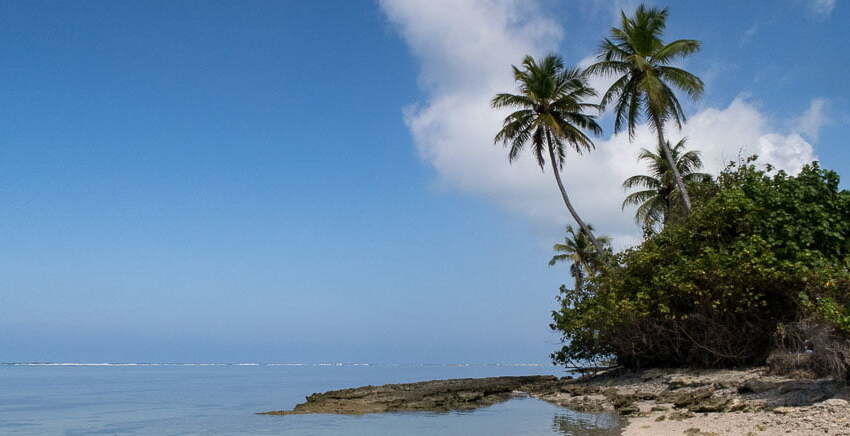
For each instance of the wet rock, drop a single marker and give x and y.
(736, 405)
(680, 416)
(756, 386)
(580, 389)
(698, 432)
(645, 396)
(686, 398)
(685, 382)
(438, 395)
(711, 404)
(806, 392)
(585, 404)
(621, 400)
(629, 410)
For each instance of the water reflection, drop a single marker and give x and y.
(586, 424)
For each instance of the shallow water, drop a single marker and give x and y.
(222, 400)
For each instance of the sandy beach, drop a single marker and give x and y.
(712, 402)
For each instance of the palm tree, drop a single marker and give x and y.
(659, 197)
(580, 252)
(636, 53)
(551, 116)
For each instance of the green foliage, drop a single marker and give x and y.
(835, 313)
(657, 198)
(578, 250)
(550, 108)
(710, 290)
(551, 115)
(641, 61)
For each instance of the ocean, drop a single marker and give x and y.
(221, 399)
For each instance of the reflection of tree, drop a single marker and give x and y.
(586, 424)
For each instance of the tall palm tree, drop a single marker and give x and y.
(659, 195)
(636, 53)
(580, 252)
(551, 116)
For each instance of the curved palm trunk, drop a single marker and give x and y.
(567, 198)
(680, 183)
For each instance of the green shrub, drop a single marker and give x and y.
(711, 289)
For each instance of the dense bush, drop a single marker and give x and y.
(762, 250)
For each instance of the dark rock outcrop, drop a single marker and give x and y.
(435, 396)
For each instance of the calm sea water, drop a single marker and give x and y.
(222, 400)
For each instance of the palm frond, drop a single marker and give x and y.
(559, 258)
(659, 192)
(538, 145)
(511, 100)
(639, 197)
(552, 109)
(674, 50)
(683, 80)
(650, 213)
(636, 52)
(608, 67)
(642, 181)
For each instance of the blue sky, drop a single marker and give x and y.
(260, 181)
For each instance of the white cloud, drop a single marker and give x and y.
(741, 129)
(465, 49)
(465, 41)
(815, 117)
(613, 7)
(822, 7)
(750, 33)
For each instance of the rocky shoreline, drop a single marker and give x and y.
(655, 402)
(710, 402)
(430, 396)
